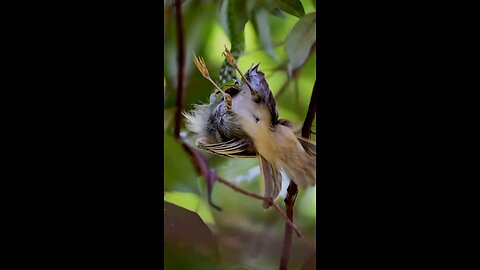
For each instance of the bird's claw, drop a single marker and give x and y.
(228, 101)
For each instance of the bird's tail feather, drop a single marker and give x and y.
(272, 180)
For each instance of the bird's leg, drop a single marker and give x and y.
(228, 102)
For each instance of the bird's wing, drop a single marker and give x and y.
(235, 148)
(308, 145)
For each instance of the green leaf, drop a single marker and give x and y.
(293, 7)
(262, 27)
(191, 202)
(179, 173)
(268, 5)
(185, 229)
(300, 39)
(175, 257)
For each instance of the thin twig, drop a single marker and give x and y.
(270, 201)
(203, 169)
(258, 197)
(181, 69)
(202, 67)
(292, 190)
(237, 189)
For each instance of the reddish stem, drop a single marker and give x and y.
(181, 69)
(292, 190)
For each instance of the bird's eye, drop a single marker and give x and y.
(235, 82)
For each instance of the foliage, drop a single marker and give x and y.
(280, 35)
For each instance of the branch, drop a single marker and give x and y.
(181, 69)
(211, 176)
(292, 190)
(202, 168)
(312, 110)
(268, 200)
(292, 193)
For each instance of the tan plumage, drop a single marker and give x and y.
(249, 128)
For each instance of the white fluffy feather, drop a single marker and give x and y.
(197, 118)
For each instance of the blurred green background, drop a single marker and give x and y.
(243, 235)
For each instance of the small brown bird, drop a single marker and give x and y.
(242, 121)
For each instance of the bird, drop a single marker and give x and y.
(242, 121)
